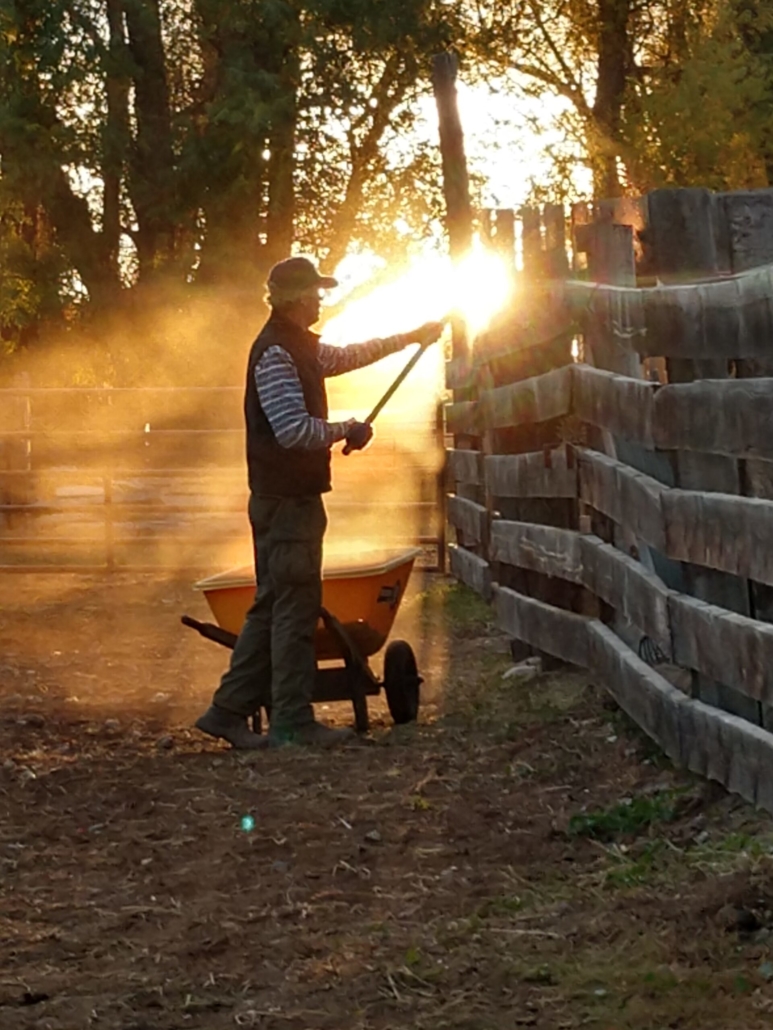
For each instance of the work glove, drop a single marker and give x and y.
(426, 334)
(358, 436)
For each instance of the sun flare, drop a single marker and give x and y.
(475, 288)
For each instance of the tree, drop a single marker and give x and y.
(699, 114)
(177, 148)
(661, 91)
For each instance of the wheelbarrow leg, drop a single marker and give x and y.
(358, 672)
(257, 719)
(359, 700)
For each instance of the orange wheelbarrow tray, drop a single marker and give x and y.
(359, 604)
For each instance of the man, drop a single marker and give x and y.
(289, 439)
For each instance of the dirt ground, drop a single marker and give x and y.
(521, 857)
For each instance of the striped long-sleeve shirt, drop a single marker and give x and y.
(281, 393)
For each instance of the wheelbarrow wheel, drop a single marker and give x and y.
(401, 682)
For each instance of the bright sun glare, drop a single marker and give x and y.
(476, 289)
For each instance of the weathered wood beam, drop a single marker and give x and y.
(720, 531)
(538, 399)
(535, 474)
(465, 467)
(622, 405)
(471, 570)
(544, 626)
(719, 416)
(545, 549)
(630, 498)
(732, 649)
(470, 518)
(727, 318)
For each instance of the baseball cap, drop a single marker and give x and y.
(297, 274)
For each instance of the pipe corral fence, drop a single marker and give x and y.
(147, 479)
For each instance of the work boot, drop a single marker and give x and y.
(219, 722)
(314, 734)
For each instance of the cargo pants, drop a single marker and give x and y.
(275, 649)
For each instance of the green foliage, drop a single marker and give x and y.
(161, 151)
(628, 819)
(463, 609)
(705, 120)
(184, 145)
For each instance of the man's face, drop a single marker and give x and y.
(310, 306)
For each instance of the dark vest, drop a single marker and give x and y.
(276, 471)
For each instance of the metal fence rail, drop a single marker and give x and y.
(105, 497)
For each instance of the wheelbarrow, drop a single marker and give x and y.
(359, 604)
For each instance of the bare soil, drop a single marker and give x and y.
(521, 857)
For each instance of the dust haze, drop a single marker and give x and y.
(152, 474)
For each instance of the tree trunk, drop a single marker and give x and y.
(614, 64)
(116, 133)
(152, 180)
(280, 214)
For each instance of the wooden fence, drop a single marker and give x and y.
(154, 479)
(612, 471)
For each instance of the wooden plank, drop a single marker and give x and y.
(637, 594)
(462, 417)
(720, 531)
(610, 260)
(504, 237)
(730, 750)
(461, 373)
(728, 318)
(475, 572)
(689, 241)
(623, 406)
(748, 216)
(759, 478)
(538, 399)
(535, 474)
(545, 549)
(628, 497)
(464, 466)
(531, 241)
(550, 629)
(519, 363)
(730, 648)
(722, 416)
(542, 318)
(649, 699)
(470, 517)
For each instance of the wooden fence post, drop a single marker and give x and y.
(531, 241)
(747, 229)
(611, 260)
(504, 240)
(683, 236)
(556, 259)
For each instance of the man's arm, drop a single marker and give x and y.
(335, 361)
(281, 397)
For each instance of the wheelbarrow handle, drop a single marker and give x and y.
(210, 631)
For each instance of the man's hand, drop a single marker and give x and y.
(358, 436)
(426, 334)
